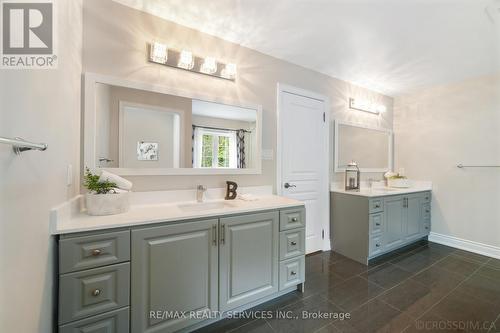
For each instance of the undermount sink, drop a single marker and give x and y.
(384, 189)
(201, 206)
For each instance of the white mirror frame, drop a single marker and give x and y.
(337, 168)
(90, 125)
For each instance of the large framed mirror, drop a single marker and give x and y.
(370, 147)
(134, 128)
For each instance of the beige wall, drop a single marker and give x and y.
(439, 127)
(43, 106)
(116, 45)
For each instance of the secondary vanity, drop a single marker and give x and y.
(374, 220)
(171, 263)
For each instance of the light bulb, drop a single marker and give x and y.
(229, 71)
(186, 60)
(209, 66)
(158, 53)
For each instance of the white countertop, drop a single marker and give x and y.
(68, 219)
(365, 191)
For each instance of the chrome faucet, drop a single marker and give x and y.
(200, 193)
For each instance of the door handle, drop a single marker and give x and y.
(223, 234)
(214, 234)
(288, 185)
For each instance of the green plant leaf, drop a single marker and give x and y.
(92, 183)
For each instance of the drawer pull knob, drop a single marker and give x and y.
(427, 211)
(377, 245)
(294, 219)
(377, 206)
(377, 224)
(426, 228)
(293, 243)
(96, 292)
(96, 252)
(293, 273)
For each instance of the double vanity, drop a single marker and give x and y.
(174, 266)
(374, 221)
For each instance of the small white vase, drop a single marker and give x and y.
(398, 182)
(107, 204)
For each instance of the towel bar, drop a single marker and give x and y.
(461, 166)
(19, 145)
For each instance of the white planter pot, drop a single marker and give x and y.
(398, 182)
(107, 204)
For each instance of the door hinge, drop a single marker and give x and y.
(322, 233)
(324, 117)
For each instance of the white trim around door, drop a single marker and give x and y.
(323, 159)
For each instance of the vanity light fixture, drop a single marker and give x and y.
(229, 72)
(158, 53)
(209, 66)
(186, 60)
(162, 54)
(366, 106)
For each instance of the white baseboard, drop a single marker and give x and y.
(467, 245)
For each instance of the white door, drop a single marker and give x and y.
(303, 160)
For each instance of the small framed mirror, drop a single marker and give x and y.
(133, 128)
(371, 148)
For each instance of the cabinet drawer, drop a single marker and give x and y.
(376, 205)
(426, 227)
(376, 245)
(292, 218)
(426, 197)
(426, 211)
(109, 322)
(376, 223)
(292, 272)
(91, 251)
(292, 243)
(86, 293)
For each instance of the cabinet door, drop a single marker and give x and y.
(414, 216)
(394, 222)
(174, 268)
(248, 258)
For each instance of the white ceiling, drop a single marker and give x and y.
(391, 46)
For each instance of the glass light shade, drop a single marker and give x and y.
(158, 53)
(364, 105)
(186, 60)
(229, 72)
(209, 66)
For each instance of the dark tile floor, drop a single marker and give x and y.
(425, 288)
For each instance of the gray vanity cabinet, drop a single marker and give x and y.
(248, 258)
(171, 277)
(174, 268)
(365, 227)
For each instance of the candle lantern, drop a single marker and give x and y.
(352, 177)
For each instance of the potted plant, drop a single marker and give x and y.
(103, 198)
